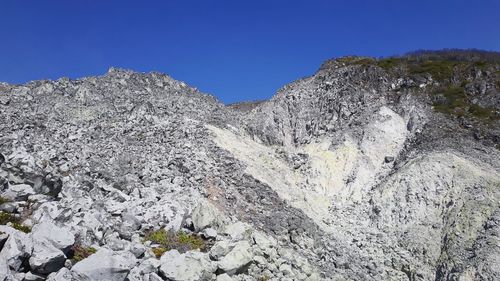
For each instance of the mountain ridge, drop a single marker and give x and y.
(370, 169)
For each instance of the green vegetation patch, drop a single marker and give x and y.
(357, 61)
(389, 63)
(81, 252)
(4, 200)
(454, 101)
(6, 218)
(439, 70)
(168, 240)
(485, 113)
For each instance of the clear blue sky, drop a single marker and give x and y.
(234, 49)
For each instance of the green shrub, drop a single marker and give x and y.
(159, 251)
(264, 278)
(453, 100)
(389, 63)
(356, 61)
(4, 200)
(439, 70)
(482, 112)
(180, 241)
(81, 252)
(346, 60)
(6, 218)
(481, 64)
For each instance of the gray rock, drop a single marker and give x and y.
(224, 277)
(190, 266)
(237, 259)
(143, 270)
(209, 233)
(17, 248)
(59, 237)
(138, 250)
(19, 192)
(220, 249)
(33, 277)
(129, 225)
(46, 258)
(206, 215)
(104, 265)
(63, 274)
(5, 272)
(388, 159)
(238, 231)
(9, 207)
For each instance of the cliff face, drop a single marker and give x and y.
(368, 170)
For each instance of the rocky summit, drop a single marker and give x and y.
(370, 169)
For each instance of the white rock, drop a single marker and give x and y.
(238, 231)
(16, 248)
(224, 277)
(19, 192)
(63, 274)
(219, 249)
(205, 215)
(153, 277)
(105, 265)
(46, 258)
(144, 268)
(4, 269)
(191, 266)
(286, 269)
(237, 259)
(262, 241)
(209, 233)
(33, 277)
(59, 237)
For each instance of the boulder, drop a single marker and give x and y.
(129, 225)
(262, 241)
(153, 277)
(237, 260)
(19, 192)
(138, 249)
(209, 233)
(206, 215)
(46, 258)
(190, 266)
(4, 269)
(9, 207)
(33, 277)
(17, 247)
(105, 265)
(59, 237)
(238, 231)
(219, 249)
(63, 274)
(224, 277)
(146, 267)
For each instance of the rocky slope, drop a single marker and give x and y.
(368, 170)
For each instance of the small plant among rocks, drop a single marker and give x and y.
(81, 252)
(6, 218)
(169, 240)
(4, 200)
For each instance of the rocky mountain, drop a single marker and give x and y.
(371, 169)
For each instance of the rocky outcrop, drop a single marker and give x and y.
(359, 172)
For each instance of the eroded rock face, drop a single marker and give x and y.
(345, 175)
